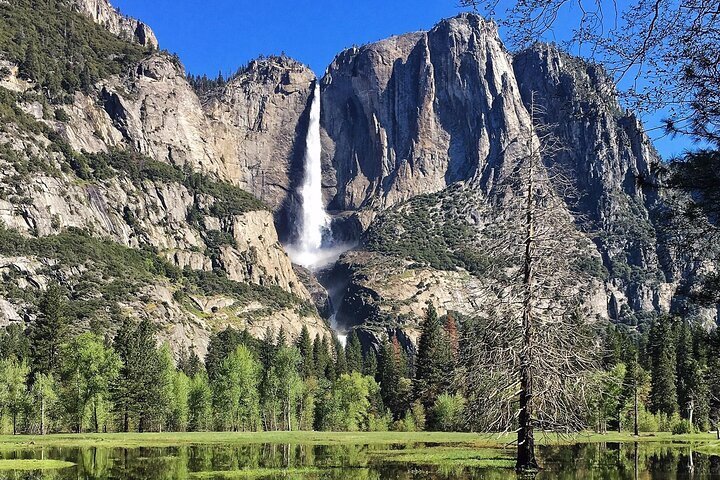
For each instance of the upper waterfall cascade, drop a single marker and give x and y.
(313, 247)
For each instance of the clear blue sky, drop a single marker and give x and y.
(221, 35)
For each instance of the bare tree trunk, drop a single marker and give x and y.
(691, 411)
(635, 406)
(526, 460)
(42, 415)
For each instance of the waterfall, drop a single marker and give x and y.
(314, 220)
(314, 247)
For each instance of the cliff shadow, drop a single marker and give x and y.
(285, 217)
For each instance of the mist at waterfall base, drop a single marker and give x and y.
(314, 247)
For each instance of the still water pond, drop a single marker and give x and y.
(350, 462)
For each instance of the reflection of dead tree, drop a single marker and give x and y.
(527, 359)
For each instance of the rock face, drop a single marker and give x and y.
(187, 209)
(415, 113)
(609, 159)
(249, 132)
(100, 11)
(258, 123)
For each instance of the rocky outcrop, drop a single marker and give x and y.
(249, 132)
(258, 122)
(130, 29)
(609, 160)
(415, 113)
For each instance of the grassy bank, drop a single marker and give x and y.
(478, 440)
(232, 438)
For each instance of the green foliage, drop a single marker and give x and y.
(14, 343)
(49, 331)
(235, 392)
(395, 386)
(87, 371)
(139, 392)
(682, 427)
(60, 50)
(11, 113)
(304, 345)
(346, 406)
(61, 115)
(282, 389)
(13, 389)
(222, 344)
(353, 353)
(44, 398)
(216, 282)
(663, 395)
(431, 229)
(448, 413)
(200, 404)
(434, 364)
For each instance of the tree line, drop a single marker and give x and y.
(669, 369)
(55, 380)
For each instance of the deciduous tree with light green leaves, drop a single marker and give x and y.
(13, 388)
(200, 403)
(235, 392)
(87, 371)
(44, 398)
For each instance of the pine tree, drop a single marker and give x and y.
(305, 347)
(433, 364)
(220, 346)
(138, 392)
(663, 392)
(686, 369)
(48, 332)
(330, 366)
(341, 364)
(353, 353)
(370, 365)
(395, 386)
(321, 358)
(281, 338)
(630, 385)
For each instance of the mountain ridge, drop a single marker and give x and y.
(407, 122)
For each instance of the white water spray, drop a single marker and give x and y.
(315, 221)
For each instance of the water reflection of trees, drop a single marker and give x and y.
(611, 461)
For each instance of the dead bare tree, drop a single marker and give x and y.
(528, 357)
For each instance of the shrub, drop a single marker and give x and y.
(447, 413)
(682, 426)
(61, 115)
